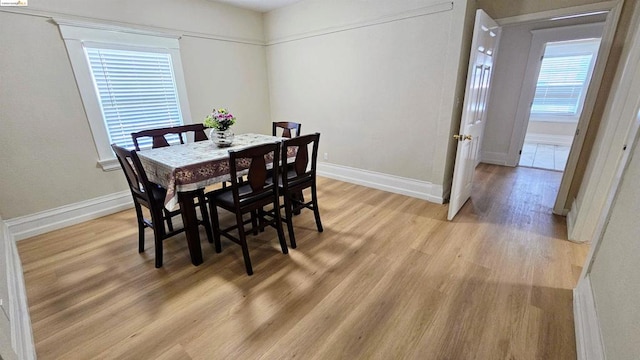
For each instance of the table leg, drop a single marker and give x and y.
(190, 221)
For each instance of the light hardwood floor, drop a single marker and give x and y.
(389, 278)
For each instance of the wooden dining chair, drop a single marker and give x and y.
(286, 128)
(159, 139)
(298, 177)
(151, 195)
(250, 197)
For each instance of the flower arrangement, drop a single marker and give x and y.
(219, 119)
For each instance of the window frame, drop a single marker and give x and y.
(590, 47)
(539, 39)
(76, 34)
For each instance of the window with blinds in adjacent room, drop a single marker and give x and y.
(564, 76)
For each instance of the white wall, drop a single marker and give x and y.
(615, 269)
(552, 128)
(551, 132)
(381, 92)
(44, 135)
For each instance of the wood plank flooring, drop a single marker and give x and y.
(389, 278)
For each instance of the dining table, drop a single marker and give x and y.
(184, 169)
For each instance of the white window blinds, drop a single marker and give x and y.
(560, 84)
(564, 77)
(136, 91)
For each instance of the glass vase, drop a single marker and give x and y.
(222, 138)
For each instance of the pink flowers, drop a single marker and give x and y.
(219, 119)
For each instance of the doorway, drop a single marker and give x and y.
(564, 74)
(511, 97)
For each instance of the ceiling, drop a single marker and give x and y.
(259, 5)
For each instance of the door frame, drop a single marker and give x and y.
(528, 89)
(614, 9)
(626, 113)
(611, 24)
(629, 120)
(620, 124)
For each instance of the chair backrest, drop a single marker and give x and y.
(159, 139)
(286, 128)
(255, 159)
(300, 166)
(136, 177)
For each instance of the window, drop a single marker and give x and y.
(561, 84)
(129, 80)
(564, 77)
(136, 91)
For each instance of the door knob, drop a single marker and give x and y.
(461, 137)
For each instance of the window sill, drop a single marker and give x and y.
(109, 164)
(554, 118)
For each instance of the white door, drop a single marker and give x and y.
(486, 35)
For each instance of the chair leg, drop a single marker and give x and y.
(159, 250)
(283, 242)
(167, 216)
(261, 222)
(299, 197)
(140, 238)
(216, 226)
(141, 228)
(206, 222)
(288, 206)
(316, 211)
(159, 233)
(243, 244)
(254, 222)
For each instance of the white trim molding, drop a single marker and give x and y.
(77, 29)
(589, 345)
(136, 28)
(39, 223)
(573, 10)
(423, 11)
(391, 183)
(76, 34)
(495, 158)
(571, 219)
(21, 332)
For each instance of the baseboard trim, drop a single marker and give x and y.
(19, 319)
(571, 220)
(39, 223)
(589, 344)
(391, 183)
(574, 232)
(494, 158)
(548, 139)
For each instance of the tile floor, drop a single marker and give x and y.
(543, 156)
